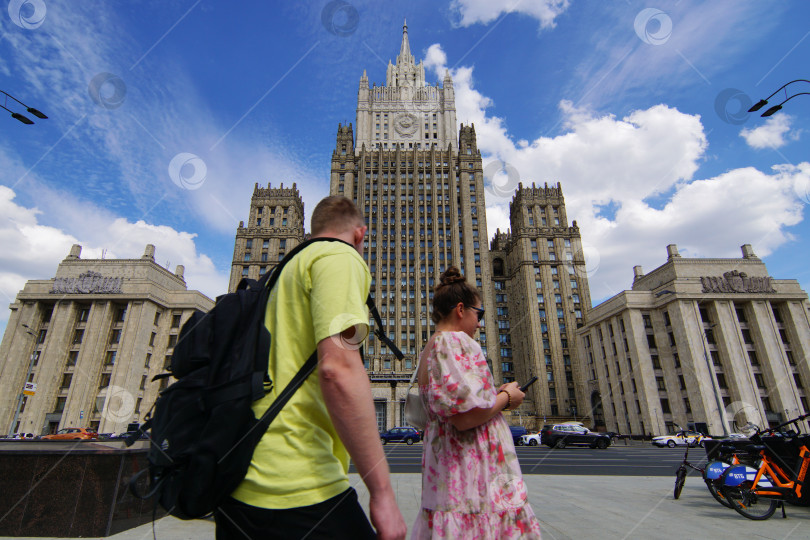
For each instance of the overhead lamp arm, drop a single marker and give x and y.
(762, 102)
(21, 118)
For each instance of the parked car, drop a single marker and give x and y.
(72, 433)
(408, 435)
(531, 439)
(680, 438)
(517, 433)
(562, 435)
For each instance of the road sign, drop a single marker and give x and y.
(30, 389)
(81, 414)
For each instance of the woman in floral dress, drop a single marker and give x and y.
(472, 487)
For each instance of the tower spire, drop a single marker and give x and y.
(405, 49)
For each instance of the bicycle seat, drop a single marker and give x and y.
(755, 448)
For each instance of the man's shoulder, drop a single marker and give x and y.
(336, 252)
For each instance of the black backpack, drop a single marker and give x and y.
(203, 430)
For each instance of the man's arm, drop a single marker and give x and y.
(347, 393)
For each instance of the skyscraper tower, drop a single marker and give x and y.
(420, 186)
(275, 225)
(541, 298)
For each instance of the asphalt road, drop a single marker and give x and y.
(619, 460)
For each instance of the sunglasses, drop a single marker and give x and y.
(479, 312)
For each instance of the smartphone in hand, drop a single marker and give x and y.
(528, 384)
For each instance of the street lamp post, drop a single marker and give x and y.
(21, 117)
(21, 397)
(762, 102)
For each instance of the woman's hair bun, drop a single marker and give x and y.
(451, 275)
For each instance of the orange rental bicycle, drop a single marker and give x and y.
(756, 493)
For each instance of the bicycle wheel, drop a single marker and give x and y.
(680, 479)
(714, 489)
(747, 503)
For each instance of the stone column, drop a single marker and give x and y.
(54, 356)
(739, 374)
(774, 366)
(700, 381)
(796, 323)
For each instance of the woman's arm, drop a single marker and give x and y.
(509, 394)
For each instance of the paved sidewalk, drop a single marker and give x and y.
(574, 507)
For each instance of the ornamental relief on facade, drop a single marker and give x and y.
(405, 124)
(737, 282)
(88, 282)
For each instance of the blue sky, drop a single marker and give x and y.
(635, 107)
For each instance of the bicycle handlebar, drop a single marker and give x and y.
(780, 426)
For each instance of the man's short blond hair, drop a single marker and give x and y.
(336, 213)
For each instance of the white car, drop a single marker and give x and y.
(532, 439)
(680, 438)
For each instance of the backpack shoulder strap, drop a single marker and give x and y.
(268, 281)
(378, 329)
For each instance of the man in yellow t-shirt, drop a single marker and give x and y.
(297, 484)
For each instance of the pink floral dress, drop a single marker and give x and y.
(472, 486)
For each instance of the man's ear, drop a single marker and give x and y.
(359, 234)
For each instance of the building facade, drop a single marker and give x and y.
(699, 343)
(540, 286)
(275, 225)
(420, 187)
(80, 350)
(418, 179)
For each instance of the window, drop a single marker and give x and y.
(41, 336)
(157, 318)
(60, 404)
(120, 313)
(115, 336)
(176, 320)
(109, 359)
(172, 340)
(105, 380)
(73, 357)
(78, 335)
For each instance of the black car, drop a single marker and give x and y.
(562, 435)
(517, 433)
(408, 435)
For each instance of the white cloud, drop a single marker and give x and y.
(620, 65)
(435, 57)
(485, 11)
(33, 251)
(161, 115)
(642, 166)
(775, 133)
